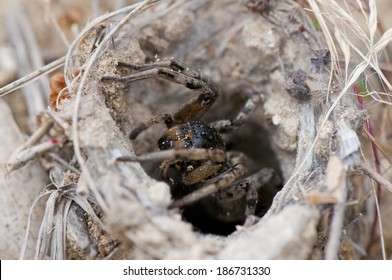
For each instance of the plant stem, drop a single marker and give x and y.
(377, 163)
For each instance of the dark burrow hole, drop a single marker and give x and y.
(260, 155)
(253, 141)
(257, 149)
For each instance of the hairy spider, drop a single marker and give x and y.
(195, 150)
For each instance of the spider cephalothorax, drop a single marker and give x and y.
(196, 149)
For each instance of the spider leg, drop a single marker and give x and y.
(213, 158)
(238, 202)
(251, 200)
(172, 63)
(165, 118)
(216, 184)
(194, 176)
(171, 70)
(177, 72)
(191, 110)
(233, 204)
(171, 75)
(164, 169)
(223, 126)
(200, 173)
(257, 181)
(214, 155)
(194, 108)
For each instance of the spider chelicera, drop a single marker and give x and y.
(195, 149)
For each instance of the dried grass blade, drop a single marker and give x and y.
(33, 76)
(26, 237)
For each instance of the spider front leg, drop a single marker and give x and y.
(192, 175)
(195, 154)
(254, 98)
(189, 111)
(211, 160)
(165, 118)
(238, 202)
(214, 185)
(177, 72)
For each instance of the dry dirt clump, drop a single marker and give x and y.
(106, 209)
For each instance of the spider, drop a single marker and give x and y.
(194, 149)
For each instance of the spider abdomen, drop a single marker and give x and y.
(194, 134)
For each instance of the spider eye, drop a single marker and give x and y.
(164, 143)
